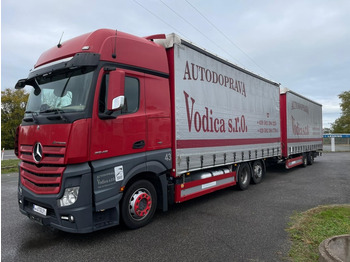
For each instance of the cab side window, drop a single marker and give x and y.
(132, 96)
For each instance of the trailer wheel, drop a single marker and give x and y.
(304, 164)
(310, 158)
(257, 172)
(139, 204)
(243, 176)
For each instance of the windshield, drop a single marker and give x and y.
(66, 91)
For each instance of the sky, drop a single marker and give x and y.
(302, 44)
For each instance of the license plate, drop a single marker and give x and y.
(40, 210)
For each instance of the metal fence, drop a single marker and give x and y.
(336, 142)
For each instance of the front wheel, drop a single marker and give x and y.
(139, 204)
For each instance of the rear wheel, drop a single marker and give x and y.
(243, 176)
(139, 204)
(310, 158)
(257, 171)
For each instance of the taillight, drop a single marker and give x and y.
(16, 141)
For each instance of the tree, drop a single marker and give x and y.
(13, 104)
(342, 124)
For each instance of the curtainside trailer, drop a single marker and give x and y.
(225, 121)
(301, 129)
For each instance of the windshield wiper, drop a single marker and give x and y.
(31, 119)
(57, 111)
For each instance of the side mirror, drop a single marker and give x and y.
(118, 103)
(31, 82)
(115, 98)
(21, 84)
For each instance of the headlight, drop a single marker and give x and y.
(70, 196)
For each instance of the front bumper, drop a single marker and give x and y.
(80, 217)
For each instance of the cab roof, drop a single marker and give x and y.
(113, 46)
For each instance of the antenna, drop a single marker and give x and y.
(59, 42)
(114, 51)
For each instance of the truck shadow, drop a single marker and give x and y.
(41, 238)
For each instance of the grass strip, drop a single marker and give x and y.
(308, 229)
(9, 166)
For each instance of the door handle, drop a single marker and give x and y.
(139, 144)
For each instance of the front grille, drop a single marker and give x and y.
(51, 154)
(44, 177)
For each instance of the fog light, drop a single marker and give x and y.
(70, 196)
(69, 218)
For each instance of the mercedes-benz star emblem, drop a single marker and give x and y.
(38, 152)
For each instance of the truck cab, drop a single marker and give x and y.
(88, 133)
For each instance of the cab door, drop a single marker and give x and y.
(122, 132)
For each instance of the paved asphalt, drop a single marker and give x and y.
(8, 154)
(228, 225)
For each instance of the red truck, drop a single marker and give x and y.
(117, 126)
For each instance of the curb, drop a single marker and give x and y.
(335, 249)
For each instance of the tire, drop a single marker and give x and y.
(258, 172)
(139, 204)
(243, 176)
(304, 164)
(310, 158)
